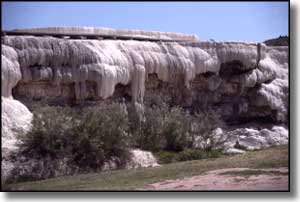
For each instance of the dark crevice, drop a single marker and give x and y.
(122, 93)
(208, 74)
(244, 120)
(232, 68)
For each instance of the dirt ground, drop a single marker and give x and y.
(277, 179)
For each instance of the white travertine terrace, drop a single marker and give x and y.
(110, 62)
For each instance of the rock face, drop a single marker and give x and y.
(244, 82)
(68, 70)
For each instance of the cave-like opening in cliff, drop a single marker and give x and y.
(232, 68)
(242, 120)
(122, 93)
(208, 74)
(14, 92)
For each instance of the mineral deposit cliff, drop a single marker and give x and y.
(246, 83)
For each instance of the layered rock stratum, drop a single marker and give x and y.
(245, 82)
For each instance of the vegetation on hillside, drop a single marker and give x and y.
(280, 41)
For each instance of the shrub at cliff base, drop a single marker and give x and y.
(88, 137)
(162, 129)
(91, 136)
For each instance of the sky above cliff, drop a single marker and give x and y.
(243, 21)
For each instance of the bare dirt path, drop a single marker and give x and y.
(229, 179)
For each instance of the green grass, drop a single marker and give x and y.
(254, 172)
(139, 178)
(164, 157)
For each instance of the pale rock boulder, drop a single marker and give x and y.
(234, 151)
(250, 139)
(16, 121)
(141, 159)
(214, 139)
(239, 140)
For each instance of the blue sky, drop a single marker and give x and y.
(245, 21)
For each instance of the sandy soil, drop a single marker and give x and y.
(214, 180)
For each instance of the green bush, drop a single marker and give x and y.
(101, 136)
(87, 137)
(190, 154)
(148, 132)
(196, 154)
(175, 130)
(49, 135)
(91, 136)
(161, 129)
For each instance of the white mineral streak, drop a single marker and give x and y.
(10, 70)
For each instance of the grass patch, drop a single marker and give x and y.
(164, 157)
(139, 178)
(254, 172)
